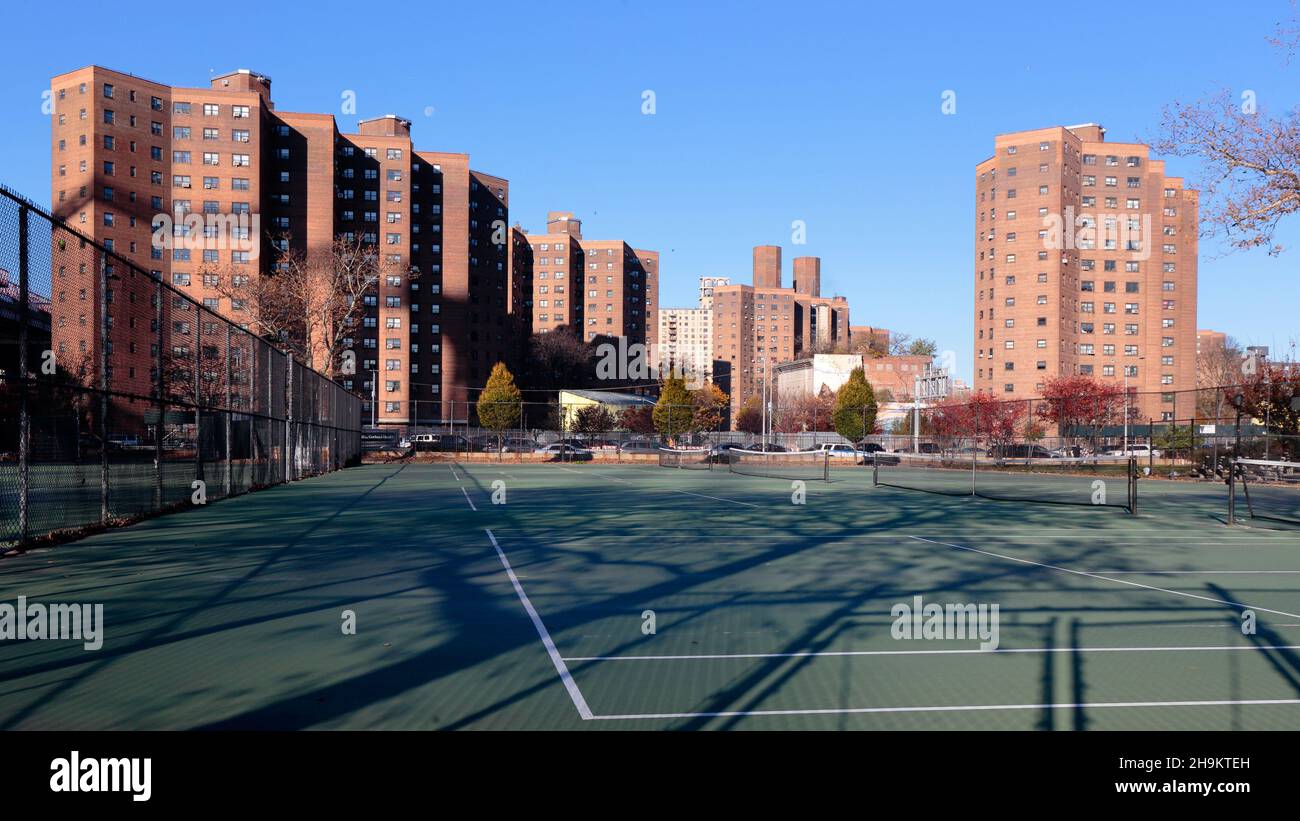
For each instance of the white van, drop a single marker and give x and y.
(840, 451)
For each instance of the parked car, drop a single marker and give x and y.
(841, 452)
(870, 447)
(1020, 451)
(719, 453)
(1070, 452)
(511, 444)
(439, 442)
(639, 446)
(565, 452)
(1140, 451)
(924, 447)
(597, 444)
(766, 447)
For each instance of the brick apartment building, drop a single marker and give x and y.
(602, 288)
(1207, 341)
(686, 334)
(1085, 263)
(759, 326)
(451, 303)
(869, 336)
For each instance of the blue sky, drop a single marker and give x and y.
(766, 113)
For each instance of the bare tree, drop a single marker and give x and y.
(311, 302)
(1219, 365)
(1287, 35)
(1251, 161)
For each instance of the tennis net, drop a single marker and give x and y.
(1087, 480)
(801, 464)
(1269, 489)
(685, 458)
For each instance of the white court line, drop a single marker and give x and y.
(471, 501)
(569, 684)
(453, 472)
(1109, 578)
(717, 498)
(956, 708)
(1190, 572)
(972, 652)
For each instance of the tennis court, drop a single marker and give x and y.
(535, 613)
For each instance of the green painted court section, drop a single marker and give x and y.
(767, 614)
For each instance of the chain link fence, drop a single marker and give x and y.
(1199, 446)
(1197, 435)
(120, 396)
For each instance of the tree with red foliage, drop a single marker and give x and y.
(1271, 395)
(750, 417)
(806, 413)
(995, 420)
(637, 419)
(1075, 403)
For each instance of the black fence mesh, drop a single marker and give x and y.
(118, 393)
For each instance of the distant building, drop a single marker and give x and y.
(686, 335)
(129, 153)
(1085, 264)
(757, 327)
(812, 375)
(869, 336)
(594, 287)
(1209, 341)
(573, 401)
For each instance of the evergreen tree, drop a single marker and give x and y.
(855, 407)
(500, 402)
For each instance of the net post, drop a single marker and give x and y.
(1132, 485)
(875, 469)
(826, 466)
(1232, 492)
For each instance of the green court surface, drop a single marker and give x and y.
(767, 614)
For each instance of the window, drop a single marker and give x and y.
(211, 109)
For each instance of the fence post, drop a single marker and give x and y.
(270, 412)
(198, 400)
(160, 386)
(1151, 445)
(228, 413)
(103, 387)
(288, 416)
(24, 422)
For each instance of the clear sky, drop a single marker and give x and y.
(766, 113)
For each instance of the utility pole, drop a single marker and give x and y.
(916, 414)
